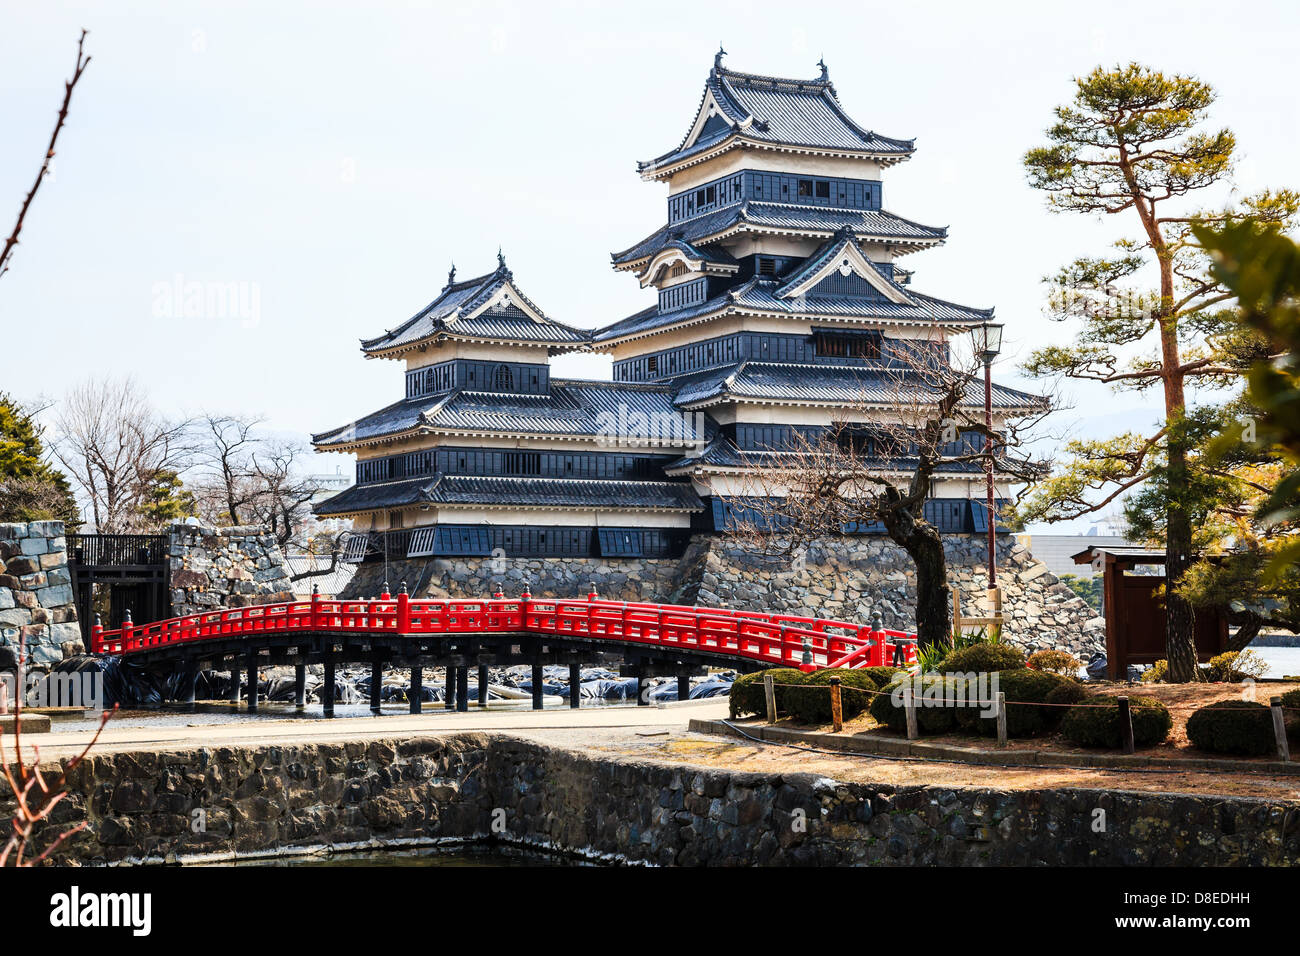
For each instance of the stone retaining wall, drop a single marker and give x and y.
(843, 578)
(224, 567)
(263, 799)
(36, 592)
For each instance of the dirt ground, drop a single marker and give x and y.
(701, 750)
(1182, 701)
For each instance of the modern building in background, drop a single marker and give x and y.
(780, 312)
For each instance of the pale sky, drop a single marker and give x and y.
(330, 160)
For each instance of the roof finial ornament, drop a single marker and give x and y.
(451, 275)
(826, 73)
(501, 258)
(717, 57)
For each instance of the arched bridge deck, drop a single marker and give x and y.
(655, 639)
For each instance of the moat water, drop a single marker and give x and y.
(461, 856)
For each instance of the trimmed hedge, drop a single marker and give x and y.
(983, 658)
(929, 720)
(1291, 717)
(883, 676)
(747, 691)
(1099, 726)
(810, 703)
(1024, 719)
(1054, 662)
(1232, 727)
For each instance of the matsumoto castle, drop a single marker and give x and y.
(781, 309)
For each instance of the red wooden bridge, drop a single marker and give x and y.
(654, 639)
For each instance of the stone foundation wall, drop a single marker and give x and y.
(268, 799)
(36, 598)
(224, 567)
(843, 578)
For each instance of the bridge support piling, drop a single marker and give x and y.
(376, 684)
(252, 683)
(537, 687)
(300, 686)
(575, 685)
(234, 685)
(449, 689)
(683, 686)
(416, 694)
(191, 684)
(327, 689)
(482, 685)
(462, 688)
(642, 689)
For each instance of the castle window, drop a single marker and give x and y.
(711, 194)
(848, 346)
(766, 267)
(823, 189)
(652, 363)
(503, 380)
(805, 187)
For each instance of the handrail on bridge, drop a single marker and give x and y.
(772, 639)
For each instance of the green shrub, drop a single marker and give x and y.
(984, 659)
(929, 719)
(1155, 673)
(1291, 715)
(1027, 689)
(1098, 725)
(1232, 727)
(747, 691)
(1237, 665)
(810, 703)
(883, 676)
(1054, 662)
(1069, 692)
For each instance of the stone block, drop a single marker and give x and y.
(55, 596)
(35, 546)
(15, 617)
(53, 559)
(6, 598)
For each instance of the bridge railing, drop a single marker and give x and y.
(774, 639)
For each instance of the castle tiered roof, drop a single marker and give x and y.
(487, 308)
(782, 219)
(746, 109)
(569, 409)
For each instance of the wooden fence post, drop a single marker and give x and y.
(769, 694)
(1126, 725)
(837, 707)
(909, 708)
(1002, 719)
(1279, 729)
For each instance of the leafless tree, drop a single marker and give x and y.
(880, 469)
(243, 477)
(117, 449)
(11, 243)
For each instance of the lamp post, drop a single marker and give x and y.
(987, 342)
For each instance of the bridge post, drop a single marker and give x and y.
(537, 686)
(642, 688)
(234, 684)
(252, 682)
(482, 685)
(684, 686)
(415, 696)
(403, 611)
(575, 684)
(462, 688)
(327, 689)
(449, 688)
(191, 683)
(300, 686)
(376, 682)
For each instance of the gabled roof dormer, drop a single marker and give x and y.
(841, 256)
(488, 308)
(677, 255)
